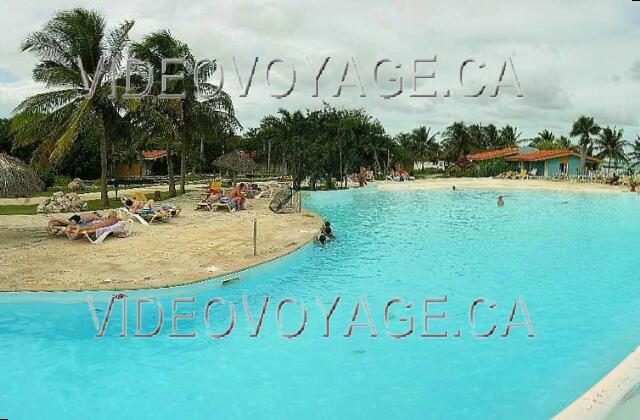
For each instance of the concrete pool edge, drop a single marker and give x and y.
(602, 399)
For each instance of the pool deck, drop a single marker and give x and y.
(612, 397)
(195, 246)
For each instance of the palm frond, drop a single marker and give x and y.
(78, 118)
(116, 42)
(48, 101)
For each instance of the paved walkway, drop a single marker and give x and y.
(96, 195)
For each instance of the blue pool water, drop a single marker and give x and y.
(572, 258)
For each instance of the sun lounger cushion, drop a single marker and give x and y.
(120, 226)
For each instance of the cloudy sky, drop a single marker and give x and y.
(571, 57)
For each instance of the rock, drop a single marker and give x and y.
(76, 185)
(63, 203)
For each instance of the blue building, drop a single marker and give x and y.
(549, 163)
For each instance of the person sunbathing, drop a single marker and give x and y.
(76, 231)
(237, 197)
(81, 219)
(214, 195)
(135, 206)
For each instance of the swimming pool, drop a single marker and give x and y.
(572, 259)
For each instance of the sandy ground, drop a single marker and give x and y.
(501, 184)
(184, 250)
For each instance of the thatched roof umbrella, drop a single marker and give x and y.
(237, 162)
(17, 179)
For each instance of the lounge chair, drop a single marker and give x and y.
(521, 175)
(224, 203)
(125, 214)
(97, 237)
(532, 174)
(145, 216)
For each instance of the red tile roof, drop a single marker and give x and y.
(153, 154)
(547, 154)
(493, 154)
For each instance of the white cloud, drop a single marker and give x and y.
(572, 57)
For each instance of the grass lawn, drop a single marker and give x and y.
(93, 205)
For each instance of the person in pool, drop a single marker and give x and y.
(327, 231)
(320, 239)
(500, 201)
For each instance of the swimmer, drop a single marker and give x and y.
(500, 201)
(327, 231)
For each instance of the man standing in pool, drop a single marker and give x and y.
(500, 201)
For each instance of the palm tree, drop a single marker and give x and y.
(546, 135)
(583, 128)
(611, 145)
(634, 156)
(490, 136)
(563, 142)
(457, 141)
(424, 144)
(59, 116)
(199, 115)
(477, 135)
(509, 136)
(545, 140)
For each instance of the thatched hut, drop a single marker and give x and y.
(17, 179)
(236, 162)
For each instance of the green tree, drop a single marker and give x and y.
(611, 145)
(56, 118)
(564, 143)
(584, 128)
(491, 138)
(478, 137)
(457, 142)
(424, 144)
(6, 139)
(204, 109)
(509, 136)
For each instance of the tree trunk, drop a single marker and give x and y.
(172, 180)
(341, 171)
(269, 158)
(583, 158)
(183, 167)
(103, 167)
